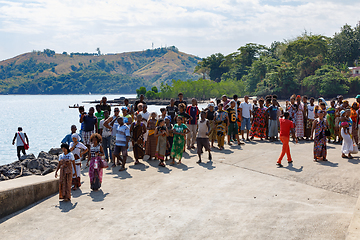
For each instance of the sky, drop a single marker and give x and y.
(198, 27)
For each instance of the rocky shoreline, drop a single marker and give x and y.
(45, 163)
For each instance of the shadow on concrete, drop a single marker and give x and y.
(328, 163)
(77, 193)
(140, 166)
(120, 174)
(181, 166)
(155, 164)
(291, 168)
(225, 151)
(209, 165)
(186, 154)
(355, 160)
(66, 206)
(98, 196)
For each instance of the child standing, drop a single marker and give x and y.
(161, 133)
(78, 150)
(232, 126)
(170, 138)
(180, 130)
(202, 139)
(221, 120)
(95, 169)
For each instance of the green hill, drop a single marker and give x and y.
(49, 73)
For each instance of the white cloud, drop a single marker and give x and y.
(200, 27)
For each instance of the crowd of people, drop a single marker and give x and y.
(105, 137)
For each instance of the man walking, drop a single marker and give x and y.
(20, 138)
(286, 126)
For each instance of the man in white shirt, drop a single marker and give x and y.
(245, 114)
(145, 114)
(20, 138)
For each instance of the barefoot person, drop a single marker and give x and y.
(161, 133)
(66, 166)
(137, 131)
(286, 127)
(78, 150)
(345, 130)
(319, 126)
(180, 130)
(202, 139)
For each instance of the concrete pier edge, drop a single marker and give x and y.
(353, 232)
(23, 194)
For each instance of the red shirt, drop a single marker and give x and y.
(285, 126)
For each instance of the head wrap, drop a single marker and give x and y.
(124, 108)
(298, 97)
(75, 135)
(357, 96)
(168, 117)
(323, 100)
(211, 105)
(342, 112)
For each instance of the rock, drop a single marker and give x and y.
(33, 164)
(45, 155)
(37, 172)
(56, 162)
(55, 151)
(53, 166)
(13, 172)
(25, 162)
(26, 173)
(3, 178)
(47, 171)
(27, 156)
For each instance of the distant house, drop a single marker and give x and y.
(355, 71)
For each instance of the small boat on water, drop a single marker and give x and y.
(75, 106)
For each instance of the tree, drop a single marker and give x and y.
(154, 89)
(150, 95)
(213, 63)
(345, 46)
(141, 90)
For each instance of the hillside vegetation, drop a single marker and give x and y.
(45, 72)
(309, 64)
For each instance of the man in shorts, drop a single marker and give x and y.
(232, 123)
(202, 139)
(245, 114)
(122, 142)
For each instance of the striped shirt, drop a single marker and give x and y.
(121, 133)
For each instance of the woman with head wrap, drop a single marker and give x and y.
(78, 150)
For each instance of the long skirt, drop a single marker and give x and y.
(169, 145)
(299, 125)
(320, 147)
(178, 147)
(95, 173)
(138, 149)
(221, 132)
(347, 143)
(150, 148)
(65, 181)
(354, 133)
(161, 147)
(212, 132)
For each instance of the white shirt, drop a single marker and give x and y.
(105, 131)
(203, 128)
(246, 108)
(18, 139)
(77, 150)
(145, 115)
(311, 112)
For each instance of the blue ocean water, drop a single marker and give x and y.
(46, 119)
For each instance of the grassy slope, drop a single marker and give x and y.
(142, 66)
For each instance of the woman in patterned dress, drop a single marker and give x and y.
(66, 165)
(137, 131)
(221, 119)
(258, 128)
(319, 126)
(353, 116)
(330, 118)
(180, 130)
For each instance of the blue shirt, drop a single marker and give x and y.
(67, 139)
(273, 112)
